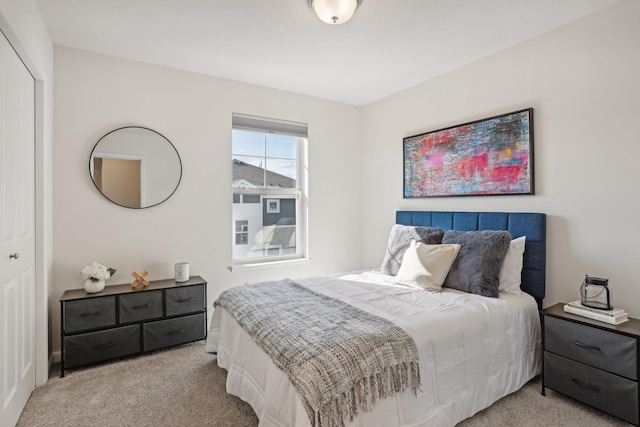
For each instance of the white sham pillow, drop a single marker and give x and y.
(511, 270)
(426, 266)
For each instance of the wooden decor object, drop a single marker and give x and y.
(140, 278)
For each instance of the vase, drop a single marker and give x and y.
(93, 287)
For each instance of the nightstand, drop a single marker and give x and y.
(124, 321)
(593, 362)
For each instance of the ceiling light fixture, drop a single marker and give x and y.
(334, 11)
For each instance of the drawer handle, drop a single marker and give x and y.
(179, 331)
(585, 385)
(186, 300)
(588, 347)
(135, 307)
(103, 346)
(94, 314)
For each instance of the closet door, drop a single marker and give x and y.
(17, 235)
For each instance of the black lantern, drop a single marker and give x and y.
(594, 293)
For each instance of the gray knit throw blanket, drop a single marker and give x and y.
(338, 357)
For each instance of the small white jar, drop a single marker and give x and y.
(182, 272)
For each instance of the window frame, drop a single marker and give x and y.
(299, 193)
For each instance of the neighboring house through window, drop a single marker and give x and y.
(268, 187)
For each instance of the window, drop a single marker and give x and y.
(242, 234)
(268, 189)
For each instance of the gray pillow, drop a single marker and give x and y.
(399, 239)
(477, 267)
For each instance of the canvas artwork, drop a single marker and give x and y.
(492, 156)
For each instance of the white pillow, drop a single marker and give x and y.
(426, 266)
(511, 270)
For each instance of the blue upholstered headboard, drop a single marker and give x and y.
(532, 225)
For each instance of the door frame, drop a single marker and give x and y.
(121, 156)
(43, 128)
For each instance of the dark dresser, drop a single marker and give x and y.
(593, 362)
(124, 321)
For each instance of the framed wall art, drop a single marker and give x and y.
(492, 156)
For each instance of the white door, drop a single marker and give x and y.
(17, 235)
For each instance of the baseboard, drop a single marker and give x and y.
(54, 363)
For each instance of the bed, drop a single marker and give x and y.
(472, 350)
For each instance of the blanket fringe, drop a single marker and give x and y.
(366, 393)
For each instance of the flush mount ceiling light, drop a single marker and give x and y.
(334, 11)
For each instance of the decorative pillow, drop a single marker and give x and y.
(399, 239)
(477, 267)
(426, 266)
(511, 271)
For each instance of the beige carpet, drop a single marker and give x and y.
(185, 387)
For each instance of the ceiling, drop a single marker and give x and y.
(388, 46)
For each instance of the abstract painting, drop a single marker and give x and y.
(492, 156)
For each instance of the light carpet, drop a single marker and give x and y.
(184, 386)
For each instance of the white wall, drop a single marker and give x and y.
(96, 94)
(583, 82)
(21, 23)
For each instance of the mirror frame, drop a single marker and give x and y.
(147, 129)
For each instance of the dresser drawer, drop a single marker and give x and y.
(140, 306)
(165, 333)
(610, 393)
(85, 314)
(93, 347)
(612, 352)
(183, 300)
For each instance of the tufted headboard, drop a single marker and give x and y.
(532, 225)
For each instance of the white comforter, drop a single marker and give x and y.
(473, 350)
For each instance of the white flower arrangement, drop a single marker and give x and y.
(97, 272)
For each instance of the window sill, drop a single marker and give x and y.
(268, 264)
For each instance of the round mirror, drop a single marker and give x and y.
(135, 167)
